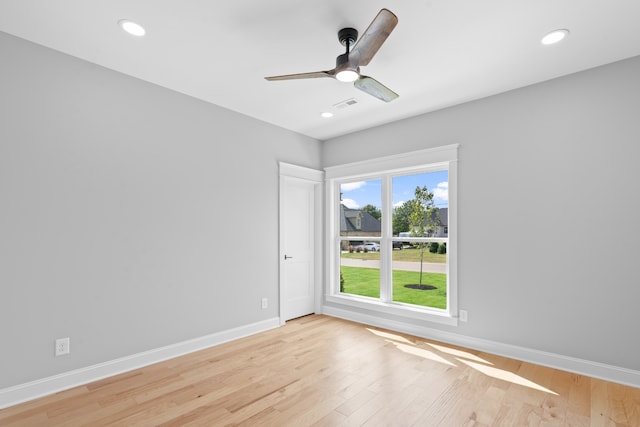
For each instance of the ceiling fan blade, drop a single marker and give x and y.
(311, 75)
(373, 37)
(375, 88)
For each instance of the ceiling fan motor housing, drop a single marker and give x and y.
(348, 36)
(346, 71)
(343, 64)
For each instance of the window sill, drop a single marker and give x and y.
(396, 309)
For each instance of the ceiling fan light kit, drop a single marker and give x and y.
(347, 76)
(364, 48)
(344, 71)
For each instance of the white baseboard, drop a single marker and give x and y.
(32, 390)
(570, 364)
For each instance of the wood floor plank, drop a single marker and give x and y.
(489, 404)
(322, 371)
(332, 419)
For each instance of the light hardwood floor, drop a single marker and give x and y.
(322, 371)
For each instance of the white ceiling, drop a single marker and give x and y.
(442, 53)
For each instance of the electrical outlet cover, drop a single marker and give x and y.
(62, 346)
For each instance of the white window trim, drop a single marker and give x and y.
(418, 161)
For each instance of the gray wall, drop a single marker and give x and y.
(127, 210)
(128, 213)
(549, 234)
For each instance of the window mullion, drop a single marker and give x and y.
(385, 244)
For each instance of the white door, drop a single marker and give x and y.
(297, 243)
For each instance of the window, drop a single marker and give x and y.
(393, 234)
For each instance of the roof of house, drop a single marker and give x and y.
(368, 223)
(443, 213)
(348, 217)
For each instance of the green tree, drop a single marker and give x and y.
(373, 211)
(423, 218)
(401, 221)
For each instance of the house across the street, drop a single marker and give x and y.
(356, 222)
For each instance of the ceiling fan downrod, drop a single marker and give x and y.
(345, 71)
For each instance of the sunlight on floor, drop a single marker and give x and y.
(506, 376)
(469, 359)
(458, 353)
(426, 354)
(390, 336)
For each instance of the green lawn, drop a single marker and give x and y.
(366, 282)
(412, 254)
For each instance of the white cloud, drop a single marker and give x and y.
(398, 204)
(350, 203)
(350, 186)
(441, 192)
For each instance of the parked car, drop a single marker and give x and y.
(368, 247)
(397, 245)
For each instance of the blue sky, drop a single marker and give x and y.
(360, 193)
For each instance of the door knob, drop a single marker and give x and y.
(287, 257)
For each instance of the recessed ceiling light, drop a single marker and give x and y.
(327, 115)
(132, 28)
(555, 36)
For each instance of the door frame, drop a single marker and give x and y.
(315, 177)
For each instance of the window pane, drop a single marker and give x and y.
(419, 274)
(360, 214)
(404, 203)
(359, 270)
(420, 227)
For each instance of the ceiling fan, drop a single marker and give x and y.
(348, 64)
